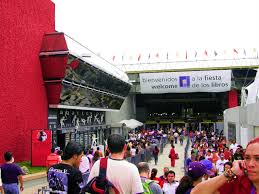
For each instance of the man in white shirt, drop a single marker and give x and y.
(170, 186)
(233, 146)
(220, 164)
(84, 167)
(122, 174)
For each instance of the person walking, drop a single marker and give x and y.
(172, 156)
(153, 176)
(220, 164)
(99, 152)
(163, 177)
(181, 138)
(84, 167)
(10, 174)
(122, 174)
(52, 158)
(176, 135)
(150, 186)
(155, 154)
(170, 186)
(90, 157)
(96, 157)
(65, 176)
(196, 171)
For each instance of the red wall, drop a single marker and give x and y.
(22, 92)
(232, 99)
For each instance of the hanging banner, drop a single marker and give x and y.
(185, 82)
(40, 146)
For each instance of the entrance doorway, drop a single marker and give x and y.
(61, 140)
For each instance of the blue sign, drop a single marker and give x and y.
(184, 81)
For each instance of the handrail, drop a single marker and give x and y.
(146, 155)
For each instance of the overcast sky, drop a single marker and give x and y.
(128, 27)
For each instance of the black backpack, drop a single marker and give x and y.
(100, 184)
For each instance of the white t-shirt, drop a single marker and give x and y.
(122, 174)
(133, 151)
(170, 188)
(233, 147)
(176, 134)
(220, 166)
(84, 164)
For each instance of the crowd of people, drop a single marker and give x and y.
(211, 157)
(215, 166)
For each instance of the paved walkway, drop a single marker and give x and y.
(164, 161)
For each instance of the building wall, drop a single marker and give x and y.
(22, 93)
(127, 111)
(246, 121)
(253, 114)
(231, 116)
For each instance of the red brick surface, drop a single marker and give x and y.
(22, 92)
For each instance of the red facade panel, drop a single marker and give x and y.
(54, 66)
(54, 42)
(232, 99)
(53, 92)
(23, 97)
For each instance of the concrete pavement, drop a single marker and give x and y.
(33, 182)
(164, 161)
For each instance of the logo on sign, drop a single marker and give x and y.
(184, 81)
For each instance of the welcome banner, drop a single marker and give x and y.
(185, 82)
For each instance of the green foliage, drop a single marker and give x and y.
(31, 169)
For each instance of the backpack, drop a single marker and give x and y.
(146, 186)
(100, 184)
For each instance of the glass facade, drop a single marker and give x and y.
(83, 73)
(73, 95)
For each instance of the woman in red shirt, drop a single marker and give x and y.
(243, 178)
(172, 156)
(155, 178)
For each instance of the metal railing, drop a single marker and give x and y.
(146, 155)
(186, 149)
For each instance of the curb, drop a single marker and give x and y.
(34, 176)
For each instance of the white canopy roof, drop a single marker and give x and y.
(132, 123)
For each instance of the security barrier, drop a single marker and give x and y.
(146, 155)
(186, 152)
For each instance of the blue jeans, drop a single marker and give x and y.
(11, 188)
